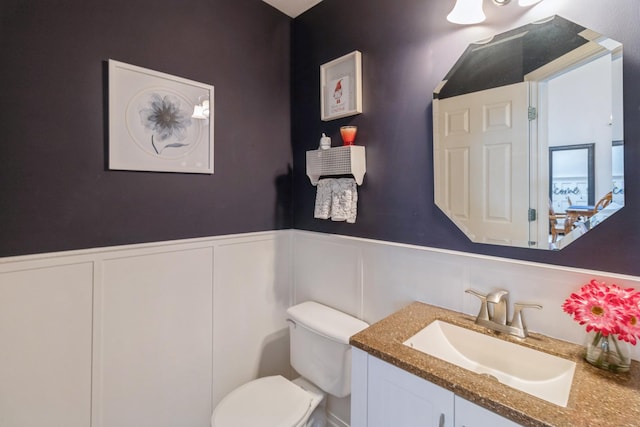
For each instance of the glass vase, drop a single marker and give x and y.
(608, 352)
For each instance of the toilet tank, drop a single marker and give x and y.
(320, 349)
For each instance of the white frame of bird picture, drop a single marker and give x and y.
(341, 87)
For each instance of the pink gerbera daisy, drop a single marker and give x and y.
(630, 330)
(607, 309)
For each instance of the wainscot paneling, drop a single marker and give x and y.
(45, 345)
(371, 279)
(119, 336)
(252, 291)
(150, 334)
(153, 340)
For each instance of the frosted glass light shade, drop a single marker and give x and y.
(525, 3)
(467, 12)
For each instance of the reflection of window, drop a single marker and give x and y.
(572, 176)
(618, 172)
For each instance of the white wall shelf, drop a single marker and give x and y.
(349, 159)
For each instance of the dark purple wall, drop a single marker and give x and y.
(408, 47)
(56, 192)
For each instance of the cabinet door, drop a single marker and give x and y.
(471, 415)
(400, 399)
(359, 387)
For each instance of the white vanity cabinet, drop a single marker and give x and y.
(469, 414)
(383, 395)
(400, 399)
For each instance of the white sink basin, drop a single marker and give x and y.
(534, 372)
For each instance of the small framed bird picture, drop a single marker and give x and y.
(341, 87)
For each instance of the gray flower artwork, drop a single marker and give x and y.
(151, 127)
(166, 121)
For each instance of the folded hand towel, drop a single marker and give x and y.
(351, 218)
(344, 200)
(337, 198)
(323, 199)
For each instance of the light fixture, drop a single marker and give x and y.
(201, 111)
(467, 12)
(470, 11)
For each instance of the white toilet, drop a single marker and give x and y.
(320, 352)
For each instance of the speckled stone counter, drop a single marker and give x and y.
(598, 398)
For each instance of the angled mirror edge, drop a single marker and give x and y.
(616, 53)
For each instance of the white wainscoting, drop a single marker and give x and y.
(45, 345)
(372, 279)
(153, 339)
(142, 335)
(156, 334)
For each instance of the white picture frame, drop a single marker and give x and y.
(341, 87)
(150, 123)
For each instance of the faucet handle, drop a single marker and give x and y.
(483, 314)
(498, 296)
(518, 319)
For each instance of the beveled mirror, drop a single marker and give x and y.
(528, 136)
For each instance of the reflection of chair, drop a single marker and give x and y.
(559, 224)
(604, 202)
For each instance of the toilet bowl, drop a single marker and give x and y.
(320, 353)
(272, 402)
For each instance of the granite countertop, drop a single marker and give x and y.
(598, 398)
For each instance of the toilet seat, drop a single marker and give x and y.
(265, 402)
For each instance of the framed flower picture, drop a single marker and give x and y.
(341, 87)
(159, 122)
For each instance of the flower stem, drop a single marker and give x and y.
(602, 352)
(596, 339)
(154, 145)
(621, 355)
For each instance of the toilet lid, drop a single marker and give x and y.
(265, 402)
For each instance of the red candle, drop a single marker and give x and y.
(348, 134)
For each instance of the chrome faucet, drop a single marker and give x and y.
(498, 306)
(494, 309)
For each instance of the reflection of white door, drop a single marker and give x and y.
(481, 163)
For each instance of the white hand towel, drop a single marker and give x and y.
(323, 199)
(351, 218)
(344, 200)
